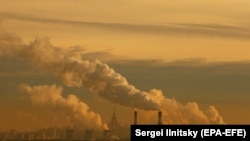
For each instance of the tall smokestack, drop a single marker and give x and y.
(159, 117)
(135, 117)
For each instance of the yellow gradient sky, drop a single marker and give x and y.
(194, 50)
(215, 30)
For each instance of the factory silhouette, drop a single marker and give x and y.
(116, 132)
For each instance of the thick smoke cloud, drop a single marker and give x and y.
(176, 112)
(103, 81)
(78, 112)
(95, 76)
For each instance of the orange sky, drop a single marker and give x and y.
(165, 27)
(203, 32)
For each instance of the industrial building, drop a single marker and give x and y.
(115, 132)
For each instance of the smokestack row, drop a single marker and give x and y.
(159, 117)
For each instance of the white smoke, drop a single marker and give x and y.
(103, 81)
(176, 112)
(78, 112)
(95, 76)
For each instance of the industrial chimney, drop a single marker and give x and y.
(159, 117)
(135, 117)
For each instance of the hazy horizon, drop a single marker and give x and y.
(69, 63)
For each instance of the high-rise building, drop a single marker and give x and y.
(114, 124)
(116, 129)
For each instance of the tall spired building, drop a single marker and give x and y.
(114, 124)
(116, 129)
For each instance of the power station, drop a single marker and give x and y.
(115, 132)
(159, 117)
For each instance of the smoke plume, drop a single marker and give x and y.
(78, 112)
(175, 112)
(102, 80)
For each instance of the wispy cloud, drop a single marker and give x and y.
(176, 29)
